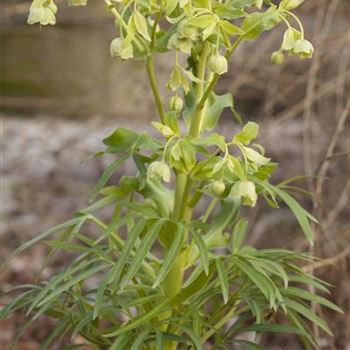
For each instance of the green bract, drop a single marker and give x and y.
(170, 268)
(290, 4)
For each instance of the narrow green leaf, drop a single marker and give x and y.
(42, 236)
(159, 340)
(121, 342)
(248, 345)
(171, 256)
(63, 326)
(304, 294)
(203, 251)
(220, 267)
(307, 313)
(157, 310)
(129, 245)
(103, 202)
(106, 176)
(141, 253)
(300, 213)
(54, 282)
(257, 278)
(99, 295)
(239, 234)
(273, 328)
(19, 302)
(194, 338)
(140, 340)
(81, 277)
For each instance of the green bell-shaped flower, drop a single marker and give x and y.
(303, 48)
(245, 190)
(217, 64)
(159, 169)
(121, 48)
(176, 103)
(43, 12)
(188, 31)
(41, 15)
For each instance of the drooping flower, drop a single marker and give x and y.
(43, 12)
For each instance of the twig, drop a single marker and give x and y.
(330, 261)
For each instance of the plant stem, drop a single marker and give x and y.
(155, 89)
(209, 209)
(182, 211)
(197, 120)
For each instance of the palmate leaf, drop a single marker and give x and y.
(301, 214)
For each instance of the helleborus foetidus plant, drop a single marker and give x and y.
(171, 275)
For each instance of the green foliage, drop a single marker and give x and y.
(169, 279)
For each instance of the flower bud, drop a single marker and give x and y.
(160, 170)
(217, 64)
(218, 187)
(176, 103)
(277, 58)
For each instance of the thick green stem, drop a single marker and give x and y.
(197, 119)
(182, 210)
(155, 89)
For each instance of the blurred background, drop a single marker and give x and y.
(61, 94)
